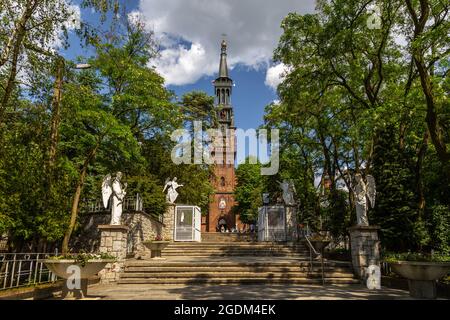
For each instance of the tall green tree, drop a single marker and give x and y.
(248, 192)
(346, 79)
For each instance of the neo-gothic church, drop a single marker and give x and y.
(220, 215)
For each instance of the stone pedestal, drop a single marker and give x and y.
(291, 223)
(114, 242)
(365, 248)
(169, 222)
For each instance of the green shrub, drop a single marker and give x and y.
(416, 256)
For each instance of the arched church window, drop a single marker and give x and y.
(222, 181)
(228, 96)
(223, 96)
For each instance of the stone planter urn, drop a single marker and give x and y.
(70, 269)
(422, 276)
(156, 247)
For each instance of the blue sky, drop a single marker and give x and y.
(250, 95)
(190, 32)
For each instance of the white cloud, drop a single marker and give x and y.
(75, 20)
(180, 65)
(252, 28)
(275, 75)
(72, 23)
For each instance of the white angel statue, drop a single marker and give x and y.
(288, 192)
(171, 187)
(114, 188)
(364, 192)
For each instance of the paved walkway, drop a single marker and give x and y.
(241, 292)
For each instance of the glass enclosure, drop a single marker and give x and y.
(187, 223)
(272, 223)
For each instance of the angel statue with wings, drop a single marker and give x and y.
(364, 192)
(288, 192)
(113, 188)
(171, 187)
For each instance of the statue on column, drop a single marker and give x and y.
(288, 192)
(171, 187)
(364, 195)
(114, 188)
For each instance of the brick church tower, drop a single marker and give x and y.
(223, 179)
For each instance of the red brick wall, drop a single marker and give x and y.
(222, 191)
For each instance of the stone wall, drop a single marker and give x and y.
(141, 227)
(169, 223)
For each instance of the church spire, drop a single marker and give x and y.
(223, 69)
(223, 86)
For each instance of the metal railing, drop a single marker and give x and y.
(24, 269)
(385, 268)
(133, 203)
(312, 251)
(130, 204)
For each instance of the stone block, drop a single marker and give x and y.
(117, 245)
(108, 242)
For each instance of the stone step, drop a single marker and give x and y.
(250, 251)
(231, 254)
(150, 269)
(236, 243)
(226, 264)
(236, 249)
(228, 237)
(218, 281)
(237, 275)
(223, 245)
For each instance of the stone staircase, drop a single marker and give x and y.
(227, 249)
(235, 263)
(228, 237)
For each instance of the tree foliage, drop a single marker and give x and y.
(370, 100)
(248, 193)
(115, 116)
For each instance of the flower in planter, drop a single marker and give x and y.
(158, 238)
(82, 258)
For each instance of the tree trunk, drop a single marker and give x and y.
(76, 200)
(26, 15)
(434, 128)
(20, 33)
(419, 176)
(56, 116)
